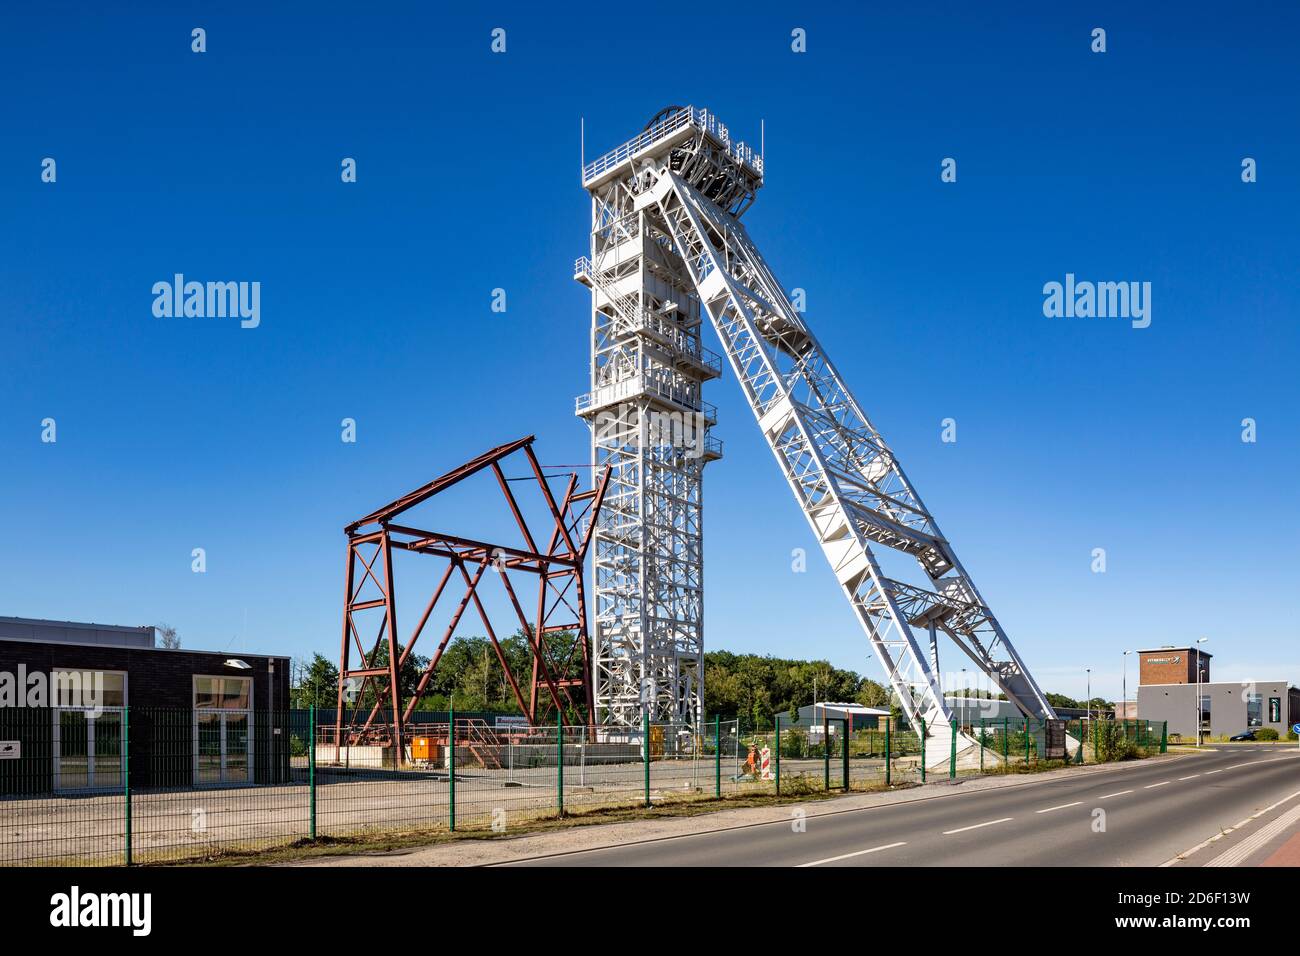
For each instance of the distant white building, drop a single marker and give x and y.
(969, 711)
(813, 717)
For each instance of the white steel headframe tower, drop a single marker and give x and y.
(674, 196)
(650, 424)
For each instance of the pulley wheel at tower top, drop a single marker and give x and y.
(662, 115)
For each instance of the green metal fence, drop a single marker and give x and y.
(143, 785)
(1012, 745)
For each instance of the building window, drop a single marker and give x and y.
(74, 687)
(1275, 710)
(222, 693)
(1205, 712)
(1254, 710)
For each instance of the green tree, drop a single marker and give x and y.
(1060, 700)
(318, 683)
(408, 676)
(755, 687)
(872, 694)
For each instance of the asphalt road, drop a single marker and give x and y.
(1140, 816)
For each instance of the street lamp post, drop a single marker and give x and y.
(1200, 712)
(962, 718)
(1126, 654)
(1088, 698)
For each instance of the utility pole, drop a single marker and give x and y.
(1126, 654)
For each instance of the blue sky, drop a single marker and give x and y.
(1073, 434)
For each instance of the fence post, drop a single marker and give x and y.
(1006, 741)
(777, 754)
(1079, 756)
(645, 725)
(1164, 737)
(826, 751)
(451, 763)
(717, 756)
(922, 749)
(952, 761)
(126, 775)
(845, 750)
(559, 760)
(981, 745)
(888, 721)
(1026, 741)
(311, 777)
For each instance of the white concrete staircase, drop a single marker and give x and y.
(938, 748)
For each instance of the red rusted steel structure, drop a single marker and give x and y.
(556, 684)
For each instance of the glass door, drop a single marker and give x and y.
(222, 748)
(106, 740)
(235, 731)
(222, 720)
(71, 750)
(207, 748)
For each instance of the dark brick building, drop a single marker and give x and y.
(194, 718)
(1173, 665)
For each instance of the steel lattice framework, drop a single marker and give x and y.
(561, 678)
(650, 427)
(667, 232)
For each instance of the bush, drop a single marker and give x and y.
(1291, 735)
(1113, 745)
(794, 745)
(1266, 733)
(799, 785)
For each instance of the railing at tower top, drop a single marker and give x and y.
(687, 116)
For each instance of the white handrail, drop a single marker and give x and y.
(686, 116)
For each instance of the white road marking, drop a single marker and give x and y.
(1120, 794)
(1061, 807)
(1152, 786)
(1208, 772)
(1189, 778)
(975, 827)
(845, 856)
(1236, 826)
